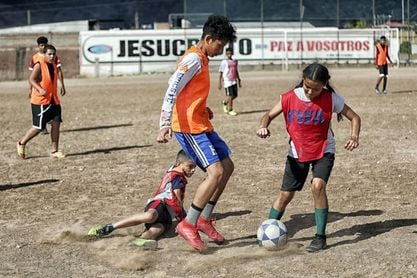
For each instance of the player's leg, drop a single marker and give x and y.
(321, 173)
(38, 122)
(156, 227)
(154, 231)
(385, 80)
(232, 94)
(225, 101)
(149, 216)
(55, 118)
(295, 175)
(378, 81)
(200, 149)
(205, 222)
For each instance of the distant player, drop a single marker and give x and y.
(381, 61)
(308, 112)
(166, 204)
(42, 42)
(184, 111)
(229, 74)
(45, 102)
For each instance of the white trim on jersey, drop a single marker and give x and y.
(186, 70)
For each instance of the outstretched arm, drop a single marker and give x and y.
(263, 131)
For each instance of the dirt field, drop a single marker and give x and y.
(114, 165)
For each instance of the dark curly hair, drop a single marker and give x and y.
(219, 28)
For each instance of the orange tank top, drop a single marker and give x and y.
(50, 86)
(381, 58)
(190, 113)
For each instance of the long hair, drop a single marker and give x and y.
(318, 73)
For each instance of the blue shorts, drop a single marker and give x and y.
(203, 149)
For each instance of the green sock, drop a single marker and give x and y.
(275, 214)
(321, 220)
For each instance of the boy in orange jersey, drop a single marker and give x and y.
(45, 102)
(42, 42)
(381, 62)
(184, 112)
(166, 204)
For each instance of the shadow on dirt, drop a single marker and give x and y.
(368, 230)
(253, 112)
(108, 150)
(95, 128)
(219, 216)
(25, 184)
(403, 91)
(304, 221)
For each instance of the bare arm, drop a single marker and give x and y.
(353, 142)
(34, 78)
(177, 193)
(263, 131)
(61, 79)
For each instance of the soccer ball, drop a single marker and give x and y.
(272, 234)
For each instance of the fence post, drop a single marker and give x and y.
(97, 67)
(20, 61)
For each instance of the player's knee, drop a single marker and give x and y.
(318, 188)
(151, 216)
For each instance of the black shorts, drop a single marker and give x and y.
(295, 173)
(164, 217)
(42, 114)
(231, 91)
(383, 70)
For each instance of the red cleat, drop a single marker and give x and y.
(190, 234)
(207, 227)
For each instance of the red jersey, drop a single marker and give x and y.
(308, 123)
(165, 192)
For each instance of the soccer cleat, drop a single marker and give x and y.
(44, 131)
(207, 227)
(385, 92)
(318, 243)
(377, 91)
(21, 150)
(225, 108)
(101, 230)
(190, 234)
(57, 154)
(232, 113)
(147, 244)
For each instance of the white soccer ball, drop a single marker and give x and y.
(272, 234)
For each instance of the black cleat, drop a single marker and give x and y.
(318, 244)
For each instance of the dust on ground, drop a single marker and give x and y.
(114, 165)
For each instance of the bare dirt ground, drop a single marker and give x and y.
(114, 165)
